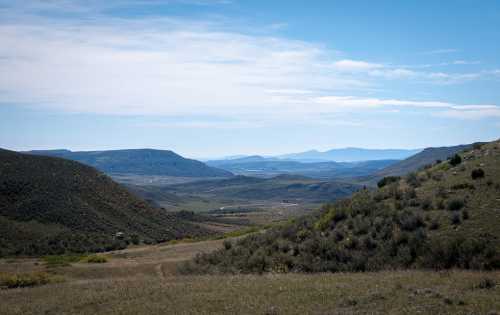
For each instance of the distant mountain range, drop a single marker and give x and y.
(139, 161)
(350, 155)
(51, 206)
(268, 167)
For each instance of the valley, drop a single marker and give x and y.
(285, 244)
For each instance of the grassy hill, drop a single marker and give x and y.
(442, 217)
(51, 205)
(419, 160)
(140, 162)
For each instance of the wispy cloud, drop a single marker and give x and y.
(172, 66)
(355, 65)
(440, 51)
(446, 109)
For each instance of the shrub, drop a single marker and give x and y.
(438, 176)
(96, 259)
(426, 204)
(434, 225)
(412, 180)
(387, 180)
(465, 215)
(463, 186)
(440, 204)
(410, 221)
(462, 253)
(486, 283)
(227, 244)
(441, 192)
(455, 204)
(477, 173)
(455, 160)
(26, 279)
(62, 260)
(410, 193)
(455, 218)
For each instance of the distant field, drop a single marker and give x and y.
(143, 280)
(156, 180)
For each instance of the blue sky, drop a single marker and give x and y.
(213, 78)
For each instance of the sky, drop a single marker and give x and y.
(223, 77)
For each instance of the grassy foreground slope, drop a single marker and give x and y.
(51, 206)
(142, 280)
(442, 217)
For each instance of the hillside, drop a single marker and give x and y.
(350, 155)
(283, 187)
(140, 162)
(51, 205)
(445, 216)
(419, 160)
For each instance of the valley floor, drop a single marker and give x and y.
(143, 280)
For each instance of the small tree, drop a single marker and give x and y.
(387, 180)
(477, 173)
(455, 160)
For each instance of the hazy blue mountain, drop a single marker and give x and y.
(139, 161)
(268, 167)
(350, 155)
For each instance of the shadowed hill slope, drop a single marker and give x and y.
(446, 216)
(139, 161)
(51, 205)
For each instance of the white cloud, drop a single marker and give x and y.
(471, 114)
(465, 62)
(355, 65)
(169, 66)
(451, 109)
(155, 67)
(440, 51)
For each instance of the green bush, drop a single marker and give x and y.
(413, 180)
(455, 204)
(387, 180)
(455, 218)
(227, 244)
(62, 260)
(477, 173)
(96, 259)
(486, 283)
(426, 204)
(26, 279)
(455, 160)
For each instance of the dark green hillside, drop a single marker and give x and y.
(139, 161)
(51, 205)
(442, 217)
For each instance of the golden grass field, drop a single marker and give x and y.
(143, 280)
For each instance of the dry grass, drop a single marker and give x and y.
(143, 280)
